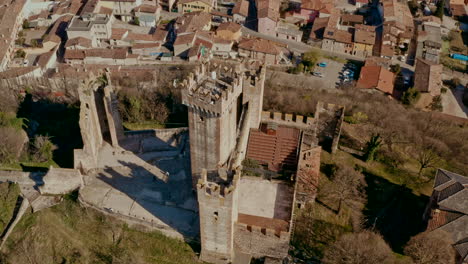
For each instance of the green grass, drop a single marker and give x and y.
(29, 166)
(8, 195)
(143, 125)
(69, 233)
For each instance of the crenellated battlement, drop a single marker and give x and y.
(219, 189)
(263, 231)
(299, 121)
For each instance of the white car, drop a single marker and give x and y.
(318, 74)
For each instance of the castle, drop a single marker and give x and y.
(233, 179)
(250, 168)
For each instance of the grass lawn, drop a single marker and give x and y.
(143, 125)
(69, 233)
(8, 195)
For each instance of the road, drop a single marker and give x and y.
(452, 103)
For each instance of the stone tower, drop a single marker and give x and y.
(217, 98)
(217, 195)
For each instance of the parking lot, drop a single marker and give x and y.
(334, 73)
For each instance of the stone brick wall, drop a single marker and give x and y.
(261, 242)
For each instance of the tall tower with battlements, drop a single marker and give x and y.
(220, 100)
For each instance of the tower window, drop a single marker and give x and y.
(201, 118)
(215, 214)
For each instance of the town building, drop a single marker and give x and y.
(11, 19)
(376, 77)
(240, 12)
(147, 15)
(364, 40)
(229, 31)
(95, 27)
(188, 6)
(262, 50)
(267, 16)
(122, 9)
(447, 210)
(429, 41)
(428, 77)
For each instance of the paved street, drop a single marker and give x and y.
(452, 103)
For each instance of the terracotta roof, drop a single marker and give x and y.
(145, 8)
(241, 8)
(320, 23)
(338, 35)
(84, 42)
(259, 45)
(105, 11)
(208, 2)
(160, 34)
(230, 26)
(312, 4)
(101, 53)
(16, 72)
(273, 146)
(271, 223)
(118, 0)
(145, 45)
(184, 38)
(44, 58)
(58, 29)
(376, 77)
(191, 22)
(364, 34)
(458, 10)
(439, 218)
(352, 18)
(268, 9)
(118, 33)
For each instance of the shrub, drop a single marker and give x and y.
(436, 104)
(43, 149)
(411, 96)
(20, 54)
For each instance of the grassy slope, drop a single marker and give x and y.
(8, 195)
(68, 233)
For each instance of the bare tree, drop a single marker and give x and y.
(431, 248)
(356, 248)
(346, 187)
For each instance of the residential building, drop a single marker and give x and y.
(167, 5)
(229, 31)
(318, 28)
(194, 21)
(240, 12)
(148, 15)
(122, 9)
(188, 6)
(288, 31)
(447, 210)
(267, 16)
(260, 49)
(57, 32)
(349, 21)
(78, 43)
(96, 27)
(337, 40)
(376, 77)
(310, 9)
(398, 26)
(428, 77)
(11, 19)
(364, 40)
(429, 41)
(100, 56)
(220, 17)
(150, 50)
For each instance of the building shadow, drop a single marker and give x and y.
(393, 210)
(56, 119)
(171, 201)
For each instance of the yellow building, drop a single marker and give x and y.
(187, 6)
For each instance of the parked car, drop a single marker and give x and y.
(318, 74)
(322, 64)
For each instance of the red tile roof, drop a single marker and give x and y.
(271, 223)
(376, 77)
(259, 45)
(274, 148)
(241, 8)
(230, 26)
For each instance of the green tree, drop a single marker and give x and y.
(411, 96)
(310, 58)
(436, 104)
(371, 147)
(395, 68)
(26, 24)
(20, 54)
(34, 43)
(43, 149)
(136, 21)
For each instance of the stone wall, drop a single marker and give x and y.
(260, 242)
(329, 118)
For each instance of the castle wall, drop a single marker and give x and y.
(260, 242)
(308, 173)
(329, 119)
